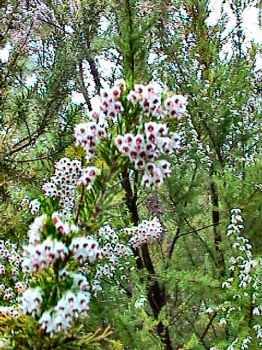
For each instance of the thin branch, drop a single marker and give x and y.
(81, 201)
(82, 85)
(201, 239)
(179, 235)
(172, 245)
(208, 326)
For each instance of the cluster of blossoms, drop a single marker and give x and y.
(144, 150)
(68, 175)
(61, 317)
(107, 107)
(115, 256)
(10, 311)
(243, 286)
(44, 253)
(8, 294)
(10, 272)
(63, 183)
(150, 101)
(39, 255)
(146, 232)
(88, 134)
(34, 206)
(112, 248)
(31, 301)
(85, 249)
(243, 260)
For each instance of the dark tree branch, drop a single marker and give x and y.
(208, 326)
(82, 85)
(172, 245)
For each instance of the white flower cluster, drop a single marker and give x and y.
(63, 184)
(242, 261)
(85, 249)
(60, 318)
(31, 301)
(88, 176)
(42, 255)
(150, 101)
(8, 294)
(236, 224)
(106, 107)
(258, 330)
(68, 175)
(241, 344)
(88, 134)
(37, 255)
(245, 343)
(34, 206)
(10, 272)
(35, 229)
(144, 150)
(244, 283)
(113, 249)
(10, 311)
(114, 252)
(145, 232)
(67, 308)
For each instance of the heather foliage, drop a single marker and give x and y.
(130, 176)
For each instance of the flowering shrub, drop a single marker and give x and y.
(145, 150)
(13, 281)
(75, 266)
(146, 232)
(240, 313)
(58, 245)
(70, 264)
(68, 175)
(47, 249)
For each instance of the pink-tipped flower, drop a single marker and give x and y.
(128, 139)
(119, 141)
(115, 93)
